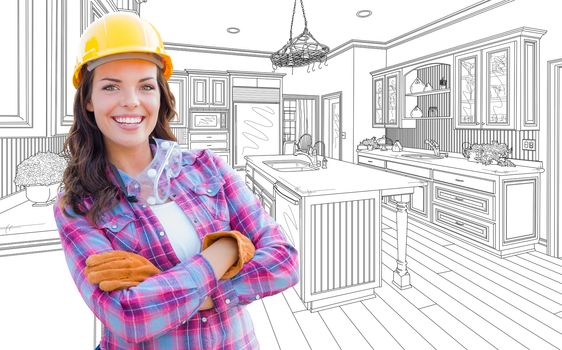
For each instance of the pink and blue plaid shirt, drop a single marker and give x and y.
(162, 312)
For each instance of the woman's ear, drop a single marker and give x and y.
(89, 106)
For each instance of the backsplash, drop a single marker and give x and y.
(451, 139)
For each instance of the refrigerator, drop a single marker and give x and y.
(256, 130)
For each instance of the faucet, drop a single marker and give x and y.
(434, 145)
(311, 155)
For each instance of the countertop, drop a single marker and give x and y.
(339, 177)
(455, 163)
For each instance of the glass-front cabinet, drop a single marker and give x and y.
(386, 99)
(498, 94)
(496, 84)
(467, 104)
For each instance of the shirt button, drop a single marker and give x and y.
(161, 233)
(114, 226)
(257, 297)
(227, 301)
(144, 205)
(136, 185)
(195, 221)
(204, 319)
(209, 191)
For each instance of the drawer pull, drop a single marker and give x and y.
(459, 223)
(369, 161)
(459, 180)
(460, 199)
(209, 137)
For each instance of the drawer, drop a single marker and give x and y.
(464, 180)
(409, 169)
(249, 170)
(378, 163)
(477, 203)
(458, 224)
(209, 145)
(208, 137)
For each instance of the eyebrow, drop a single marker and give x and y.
(119, 81)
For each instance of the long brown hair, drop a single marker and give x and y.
(85, 176)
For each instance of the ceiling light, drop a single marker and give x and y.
(363, 13)
(233, 30)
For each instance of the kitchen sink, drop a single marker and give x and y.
(422, 156)
(289, 165)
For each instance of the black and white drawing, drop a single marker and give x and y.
(410, 151)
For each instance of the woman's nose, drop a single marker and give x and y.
(130, 98)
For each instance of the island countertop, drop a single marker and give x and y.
(339, 177)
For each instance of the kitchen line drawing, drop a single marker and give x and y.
(416, 167)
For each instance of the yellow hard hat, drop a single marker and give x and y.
(119, 33)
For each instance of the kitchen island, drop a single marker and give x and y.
(333, 217)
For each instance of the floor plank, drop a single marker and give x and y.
(317, 333)
(471, 264)
(293, 300)
(510, 291)
(287, 331)
(347, 336)
(431, 332)
(373, 331)
(533, 331)
(537, 260)
(533, 267)
(390, 237)
(556, 261)
(432, 285)
(262, 325)
(404, 334)
(463, 334)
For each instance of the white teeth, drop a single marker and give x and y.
(128, 120)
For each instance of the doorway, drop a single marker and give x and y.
(332, 124)
(554, 241)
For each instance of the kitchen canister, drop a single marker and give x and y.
(416, 112)
(417, 86)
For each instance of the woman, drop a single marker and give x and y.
(135, 209)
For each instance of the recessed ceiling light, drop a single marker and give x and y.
(233, 30)
(363, 13)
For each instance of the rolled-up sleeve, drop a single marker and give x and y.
(274, 266)
(139, 313)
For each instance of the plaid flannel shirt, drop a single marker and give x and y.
(162, 311)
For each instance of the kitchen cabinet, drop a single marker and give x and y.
(492, 208)
(262, 186)
(208, 90)
(178, 83)
(386, 99)
(496, 85)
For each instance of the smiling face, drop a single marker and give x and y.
(125, 102)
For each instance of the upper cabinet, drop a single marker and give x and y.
(178, 83)
(208, 90)
(496, 85)
(387, 100)
(491, 83)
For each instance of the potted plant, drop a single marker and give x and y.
(41, 175)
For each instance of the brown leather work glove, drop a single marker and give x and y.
(246, 249)
(118, 269)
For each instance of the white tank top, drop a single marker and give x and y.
(180, 230)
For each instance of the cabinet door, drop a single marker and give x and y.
(199, 92)
(392, 99)
(378, 102)
(178, 87)
(499, 87)
(530, 81)
(467, 81)
(217, 93)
